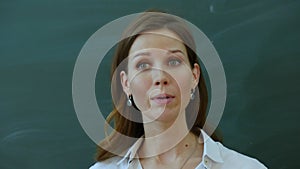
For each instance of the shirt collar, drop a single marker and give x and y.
(210, 150)
(132, 151)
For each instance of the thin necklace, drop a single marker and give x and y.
(187, 159)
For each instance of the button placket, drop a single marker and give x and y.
(207, 163)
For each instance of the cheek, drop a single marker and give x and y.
(139, 87)
(184, 83)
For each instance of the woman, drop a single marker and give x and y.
(161, 100)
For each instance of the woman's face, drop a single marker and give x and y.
(159, 76)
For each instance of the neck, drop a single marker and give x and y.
(166, 139)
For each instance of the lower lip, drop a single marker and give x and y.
(163, 101)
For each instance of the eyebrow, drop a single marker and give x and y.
(148, 53)
(141, 54)
(176, 51)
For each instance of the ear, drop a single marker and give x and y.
(125, 83)
(196, 75)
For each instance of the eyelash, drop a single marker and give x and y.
(178, 61)
(138, 66)
(144, 65)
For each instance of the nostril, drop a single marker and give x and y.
(158, 83)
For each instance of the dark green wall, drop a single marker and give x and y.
(258, 42)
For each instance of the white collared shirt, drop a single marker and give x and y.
(215, 156)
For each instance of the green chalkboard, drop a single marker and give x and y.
(257, 41)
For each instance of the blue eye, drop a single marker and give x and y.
(142, 66)
(174, 62)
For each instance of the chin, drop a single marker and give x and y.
(167, 116)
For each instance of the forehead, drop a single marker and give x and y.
(161, 39)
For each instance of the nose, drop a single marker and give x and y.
(159, 77)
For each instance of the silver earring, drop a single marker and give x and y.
(192, 94)
(129, 102)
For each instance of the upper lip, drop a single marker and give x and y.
(162, 96)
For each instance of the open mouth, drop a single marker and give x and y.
(163, 98)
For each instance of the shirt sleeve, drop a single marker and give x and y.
(235, 160)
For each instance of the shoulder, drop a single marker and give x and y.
(111, 163)
(234, 159)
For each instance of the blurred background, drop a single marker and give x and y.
(257, 41)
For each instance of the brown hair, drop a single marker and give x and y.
(196, 110)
